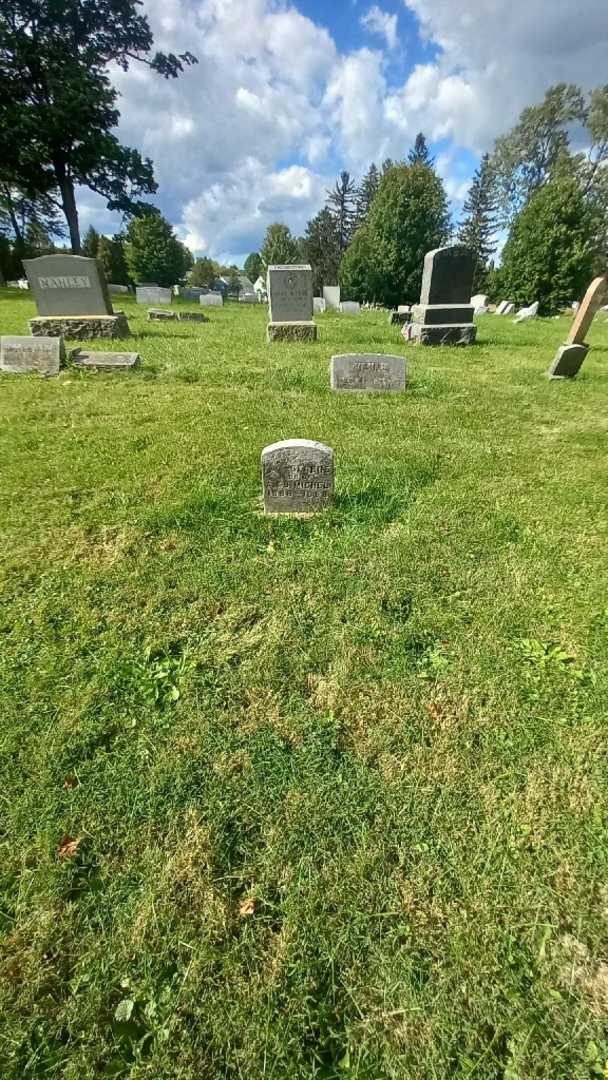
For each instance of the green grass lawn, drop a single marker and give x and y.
(336, 786)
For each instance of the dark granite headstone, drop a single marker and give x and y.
(68, 285)
(448, 276)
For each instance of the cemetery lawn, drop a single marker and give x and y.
(294, 798)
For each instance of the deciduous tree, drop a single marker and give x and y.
(153, 252)
(279, 246)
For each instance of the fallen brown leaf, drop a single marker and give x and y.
(246, 908)
(68, 846)
(70, 781)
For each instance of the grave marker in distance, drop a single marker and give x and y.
(297, 477)
(290, 303)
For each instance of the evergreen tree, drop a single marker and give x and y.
(90, 243)
(111, 255)
(387, 164)
(154, 253)
(322, 249)
(549, 255)
(253, 266)
(341, 204)
(408, 217)
(478, 227)
(419, 154)
(366, 193)
(279, 247)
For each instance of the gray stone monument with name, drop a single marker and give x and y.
(72, 298)
(444, 315)
(290, 302)
(41, 355)
(297, 477)
(367, 372)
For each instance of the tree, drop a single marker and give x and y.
(366, 193)
(341, 204)
(279, 247)
(90, 243)
(419, 154)
(56, 92)
(549, 255)
(18, 210)
(203, 273)
(408, 217)
(253, 266)
(111, 255)
(526, 157)
(478, 227)
(387, 164)
(322, 250)
(153, 252)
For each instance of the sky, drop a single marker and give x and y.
(285, 95)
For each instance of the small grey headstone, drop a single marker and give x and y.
(118, 290)
(297, 477)
(371, 372)
(42, 355)
(568, 361)
(350, 307)
(68, 285)
(153, 294)
(212, 299)
(319, 305)
(331, 295)
(105, 361)
(249, 298)
(290, 293)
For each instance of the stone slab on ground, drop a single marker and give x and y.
(292, 331)
(20, 355)
(568, 361)
(297, 477)
(80, 327)
(192, 316)
(442, 335)
(160, 315)
(367, 373)
(105, 361)
(442, 314)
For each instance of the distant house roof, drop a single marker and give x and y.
(245, 283)
(260, 285)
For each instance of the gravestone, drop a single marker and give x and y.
(297, 477)
(160, 314)
(350, 307)
(319, 305)
(480, 300)
(105, 361)
(72, 299)
(290, 303)
(212, 299)
(189, 292)
(444, 315)
(509, 309)
(331, 295)
(21, 355)
(526, 313)
(118, 290)
(367, 372)
(192, 316)
(500, 310)
(399, 317)
(249, 298)
(152, 294)
(570, 356)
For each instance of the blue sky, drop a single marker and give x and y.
(286, 94)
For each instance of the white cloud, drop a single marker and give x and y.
(380, 22)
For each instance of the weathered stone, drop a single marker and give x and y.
(480, 300)
(442, 335)
(158, 313)
(105, 361)
(118, 290)
(319, 305)
(192, 316)
(526, 313)
(350, 307)
(568, 361)
(447, 276)
(41, 355)
(79, 328)
(211, 299)
(68, 285)
(331, 295)
(297, 477)
(152, 294)
(399, 318)
(442, 314)
(509, 309)
(292, 331)
(290, 293)
(592, 302)
(249, 298)
(189, 292)
(367, 372)
(403, 309)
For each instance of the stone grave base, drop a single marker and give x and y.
(442, 335)
(292, 331)
(81, 327)
(399, 318)
(192, 316)
(158, 313)
(104, 361)
(568, 361)
(443, 314)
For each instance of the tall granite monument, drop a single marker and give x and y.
(72, 299)
(444, 315)
(290, 303)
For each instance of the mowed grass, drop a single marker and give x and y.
(288, 798)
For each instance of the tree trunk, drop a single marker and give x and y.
(12, 216)
(68, 203)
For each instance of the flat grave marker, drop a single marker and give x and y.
(21, 355)
(367, 373)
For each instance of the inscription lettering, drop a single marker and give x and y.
(80, 282)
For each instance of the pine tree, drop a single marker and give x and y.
(478, 227)
(341, 204)
(387, 164)
(90, 243)
(111, 255)
(419, 154)
(322, 249)
(367, 190)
